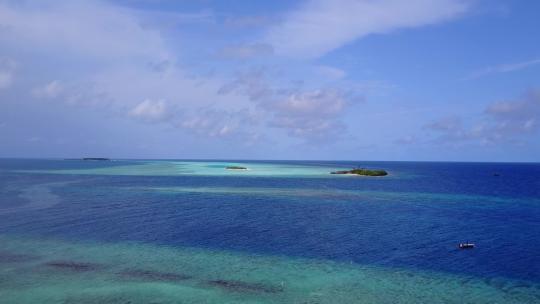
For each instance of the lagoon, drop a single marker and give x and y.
(174, 231)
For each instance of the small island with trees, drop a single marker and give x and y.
(96, 158)
(235, 168)
(361, 171)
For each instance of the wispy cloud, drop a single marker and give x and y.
(320, 26)
(407, 140)
(311, 115)
(7, 70)
(503, 68)
(445, 124)
(224, 124)
(245, 51)
(503, 121)
(52, 89)
(151, 111)
(330, 72)
(247, 21)
(6, 79)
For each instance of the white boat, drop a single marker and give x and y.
(466, 245)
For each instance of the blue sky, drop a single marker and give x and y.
(454, 80)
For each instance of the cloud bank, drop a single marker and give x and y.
(508, 121)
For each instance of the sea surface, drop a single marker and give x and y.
(176, 231)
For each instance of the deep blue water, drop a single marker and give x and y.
(413, 219)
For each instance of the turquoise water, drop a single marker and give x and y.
(285, 232)
(176, 168)
(59, 271)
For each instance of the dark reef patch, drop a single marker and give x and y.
(149, 275)
(100, 299)
(74, 266)
(245, 287)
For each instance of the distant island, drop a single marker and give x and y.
(235, 168)
(360, 171)
(96, 158)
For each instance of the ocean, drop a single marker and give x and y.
(178, 231)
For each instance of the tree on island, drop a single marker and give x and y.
(235, 168)
(364, 172)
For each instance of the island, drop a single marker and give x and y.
(95, 158)
(361, 171)
(235, 168)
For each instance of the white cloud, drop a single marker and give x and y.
(518, 116)
(449, 123)
(318, 103)
(106, 58)
(320, 26)
(84, 27)
(246, 51)
(7, 67)
(524, 107)
(247, 21)
(329, 72)
(74, 93)
(120, 57)
(151, 111)
(5, 79)
(503, 68)
(52, 89)
(504, 121)
(312, 115)
(222, 124)
(407, 140)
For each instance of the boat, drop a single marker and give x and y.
(466, 245)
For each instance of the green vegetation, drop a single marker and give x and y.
(235, 168)
(360, 171)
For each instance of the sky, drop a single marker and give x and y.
(427, 80)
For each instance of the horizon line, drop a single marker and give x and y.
(269, 160)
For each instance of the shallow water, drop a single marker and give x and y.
(215, 168)
(171, 231)
(116, 273)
